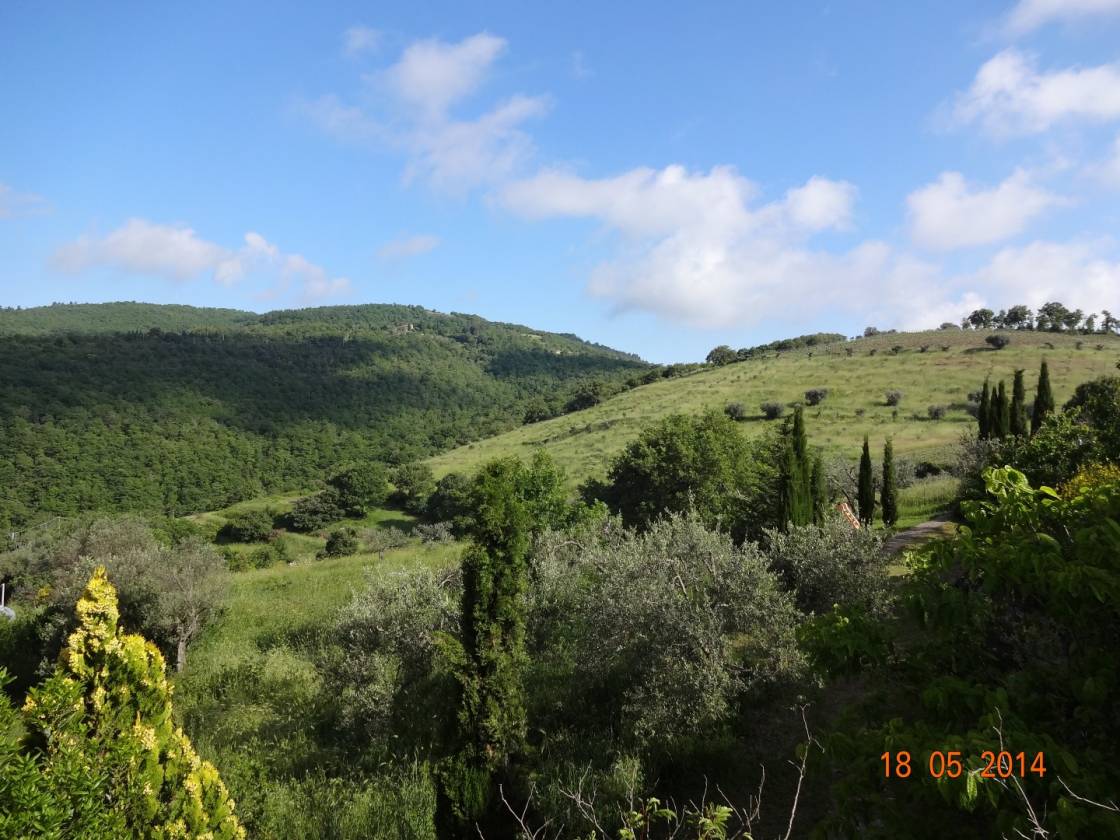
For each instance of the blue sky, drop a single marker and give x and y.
(660, 177)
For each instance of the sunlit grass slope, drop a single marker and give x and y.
(584, 442)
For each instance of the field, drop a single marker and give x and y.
(584, 442)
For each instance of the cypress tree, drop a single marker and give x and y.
(489, 658)
(866, 486)
(984, 415)
(889, 490)
(819, 491)
(796, 501)
(1044, 399)
(1001, 413)
(1019, 420)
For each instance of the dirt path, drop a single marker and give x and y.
(919, 534)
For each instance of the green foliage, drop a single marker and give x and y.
(698, 631)
(1044, 399)
(248, 526)
(819, 491)
(166, 592)
(722, 355)
(102, 725)
(829, 564)
(1001, 413)
(772, 410)
(488, 659)
(359, 487)
(1097, 404)
(984, 413)
(736, 411)
(815, 396)
(448, 502)
(700, 463)
(99, 413)
(1019, 425)
(796, 488)
(1017, 653)
(341, 542)
(866, 488)
(414, 483)
(315, 511)
(893, 397)
(889, 490)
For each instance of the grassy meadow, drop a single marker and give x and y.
(584, 442)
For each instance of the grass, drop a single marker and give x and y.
(584, 442)
(924, 499)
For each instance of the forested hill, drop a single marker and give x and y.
(177, 409)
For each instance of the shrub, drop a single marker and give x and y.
(341, 542)
(414, 484)
(698, 463)
(655, 668)
(359, 487)
(860, 412)
(736, 411)
(102, 756)
(997, 342)
(831, 564)
(898, 348)
(435, 532)
(772, 410)
(936, 412)
(314, 512)
(893, 397)
(380, 540)
(247, 526)
(815, 396)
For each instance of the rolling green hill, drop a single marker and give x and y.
(177, 410)
(930, 368)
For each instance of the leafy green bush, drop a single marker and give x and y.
(316, 511)
(834, 563)
(736, 411)
(893, 397)
(359, 487)
(248, 526)
(341, 542)
(772, 410)
(699, 463)
(815, 396)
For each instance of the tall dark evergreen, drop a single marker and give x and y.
(984, 415)
(889, 489)
(1043, 400)
(819, 491)
(866, 486)
(1001, 413)
(1019, 422)
(489, 658)
(796, 502)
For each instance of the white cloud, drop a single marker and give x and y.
(408, 246)
(414, 101)
(15, 204)
(950, 213)
(175, 252)
(432, 75)
(694, 249)
(1031, 14)
(1010, 96)
(360, 39)
(1082, 275)
(821, 204)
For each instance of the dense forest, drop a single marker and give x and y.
(177, 409)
